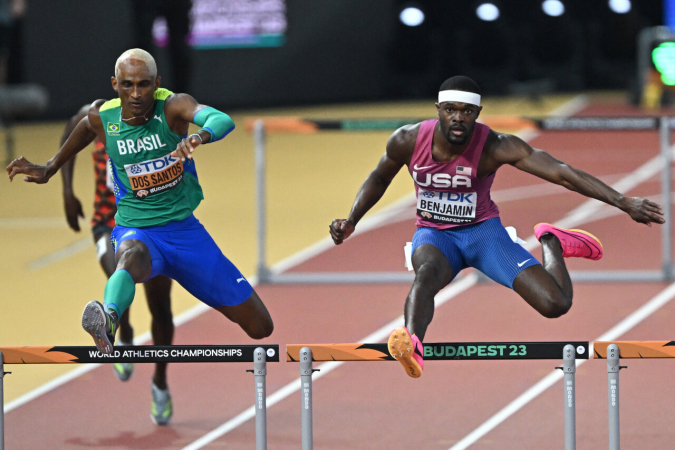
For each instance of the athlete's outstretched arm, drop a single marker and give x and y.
(514, 151)
(71, 203)
(399, 152)
(84, 133)
(183, 109)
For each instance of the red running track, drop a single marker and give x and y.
(375, 405)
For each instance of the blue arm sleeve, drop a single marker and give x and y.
(217, 123)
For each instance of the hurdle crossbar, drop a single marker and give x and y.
(136, 354)
(259, 126)
(567, 351)
(636, 349)
(258, 354)
(441, 351)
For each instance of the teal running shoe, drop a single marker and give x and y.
(162, 407)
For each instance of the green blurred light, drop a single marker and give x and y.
(664, 60)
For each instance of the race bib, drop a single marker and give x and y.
(447, 207)
(154, 176)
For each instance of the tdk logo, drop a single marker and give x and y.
(443, 180)
(153, 165)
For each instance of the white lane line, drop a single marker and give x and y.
(31, 223)
(461, 284)
(586, 212)
(63, 379)
(61, 254)
(589, 209)
(549, 380)
(50, 385)
(457, 287)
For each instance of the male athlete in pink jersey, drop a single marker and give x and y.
(453, 161)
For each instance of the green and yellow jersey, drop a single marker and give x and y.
(152, 188)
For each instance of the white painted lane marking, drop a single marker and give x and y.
(61, 254)
(549, 380)
(31, 223)
(75, 373)
(586, 212)
(459, 285)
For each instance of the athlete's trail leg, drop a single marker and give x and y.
(547, 288)
(158, 293)
(251, 315)
(432, 273)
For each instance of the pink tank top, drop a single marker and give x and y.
(448, 193)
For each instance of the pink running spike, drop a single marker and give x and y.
(408, 350)
(575, 243)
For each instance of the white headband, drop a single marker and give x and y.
(459, 96)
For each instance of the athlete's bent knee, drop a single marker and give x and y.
(135, 259)
(430, 273)
(260, 330)
(555, 308)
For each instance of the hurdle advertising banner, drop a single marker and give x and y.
(443, 351)
(137, 354)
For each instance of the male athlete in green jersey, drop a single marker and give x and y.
(156, 188)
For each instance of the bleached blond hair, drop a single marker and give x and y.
(137, 54)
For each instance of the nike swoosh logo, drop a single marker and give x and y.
(521, 264)
(420, 168)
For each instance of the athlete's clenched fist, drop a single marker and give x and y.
(341, 229)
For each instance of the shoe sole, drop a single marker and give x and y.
(158, 423)
(576, 230)
(402, 349)
(93, 322)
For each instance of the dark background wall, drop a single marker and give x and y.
(348, 50)
(336, 50)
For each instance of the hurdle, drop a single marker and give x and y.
(259, 355)
(260, 126)
(568, 351)
(613, 351)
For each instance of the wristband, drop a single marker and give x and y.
(201, 141)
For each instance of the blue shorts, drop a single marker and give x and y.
(485, 246)
(185, 251)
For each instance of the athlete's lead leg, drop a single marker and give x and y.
(134, 265)
(432, 273)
